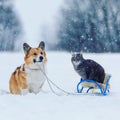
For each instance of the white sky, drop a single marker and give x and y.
(33, 13)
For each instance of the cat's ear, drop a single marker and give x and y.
(72, 53)
(81, 54)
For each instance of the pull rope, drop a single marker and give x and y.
(51, 86)
(51, 82)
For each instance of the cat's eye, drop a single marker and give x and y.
(73, 59)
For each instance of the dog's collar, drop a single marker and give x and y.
(24, 67)
(35, 69)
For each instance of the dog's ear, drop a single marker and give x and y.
(26, 48)
(42, 45)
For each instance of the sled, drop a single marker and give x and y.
(93, 85)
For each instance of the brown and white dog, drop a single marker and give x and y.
(30, 76)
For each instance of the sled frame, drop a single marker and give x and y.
(102, 90)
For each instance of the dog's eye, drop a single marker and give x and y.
(35, 54)
(41, 53)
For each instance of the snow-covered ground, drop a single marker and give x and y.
(48, 106)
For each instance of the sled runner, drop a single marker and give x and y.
(93, 85)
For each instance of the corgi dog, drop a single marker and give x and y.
(29, 77)
(89, 69)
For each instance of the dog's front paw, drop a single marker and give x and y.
(36, 91)
(24, 91)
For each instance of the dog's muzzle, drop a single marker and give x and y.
(40, 59)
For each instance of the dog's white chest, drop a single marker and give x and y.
(35, 80)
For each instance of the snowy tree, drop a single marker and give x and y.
(10, 28)
(90, 26)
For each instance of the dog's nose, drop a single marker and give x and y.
(41, 58)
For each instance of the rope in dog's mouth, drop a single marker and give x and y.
(35, 61)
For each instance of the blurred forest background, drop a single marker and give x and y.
(10, 27)
(79, 25)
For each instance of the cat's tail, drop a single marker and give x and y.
(107, 75)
